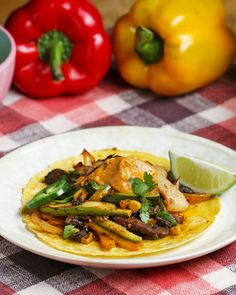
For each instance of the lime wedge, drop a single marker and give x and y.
(201, 176)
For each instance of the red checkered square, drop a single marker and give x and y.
(225, 256)
(65, 104)
(201, 266)
(169, 276)
(94, 288)
(32, 109)
(219, 91)
(231, 104)
(11, 121)
(230, 125)
(132, 282)
(219, 134)
(5, 290)
(86, 114)
(107, 121)
(195, 287)
(62, 104)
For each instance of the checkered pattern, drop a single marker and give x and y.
(210, 113)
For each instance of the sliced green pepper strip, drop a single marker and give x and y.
(63, 201)
(167, 216)
(49, 194)
(117, 197)
(162, 205)
(65, 198)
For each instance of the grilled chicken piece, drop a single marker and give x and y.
(117, 172)
(175, 201)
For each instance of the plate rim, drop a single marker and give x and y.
(117, 264)
(160, 130)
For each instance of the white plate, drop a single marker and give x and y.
(17, 167)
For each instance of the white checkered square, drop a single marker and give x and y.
(12, 97)
(221, 279)
(217, 114)
(41, 288)
(58, 124)
(169, 128)
(2, 256)
(165, 293)
(112, 105)
(6, 144)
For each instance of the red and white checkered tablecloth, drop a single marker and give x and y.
(209, 112)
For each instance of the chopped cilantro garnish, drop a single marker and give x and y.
(148, 178)
(139, 187)
(144, 211)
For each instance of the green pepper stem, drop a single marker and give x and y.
(55, 48)
(56, 52)
(148, 45)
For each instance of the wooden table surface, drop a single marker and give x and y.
(112, 9)
(108, 12)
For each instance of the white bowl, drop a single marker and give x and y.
(7, 61)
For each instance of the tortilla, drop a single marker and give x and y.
(196, 219)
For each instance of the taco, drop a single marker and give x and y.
(114, 203)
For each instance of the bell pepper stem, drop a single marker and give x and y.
(55, 49)
(56, 52)
(148, 45)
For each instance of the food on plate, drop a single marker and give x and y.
(62, 47)
(173, 47)
(114, 203)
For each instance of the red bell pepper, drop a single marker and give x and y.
(61, 47)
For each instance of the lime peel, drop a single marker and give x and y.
(201, 176)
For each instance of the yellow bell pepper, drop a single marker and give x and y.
(173, 47)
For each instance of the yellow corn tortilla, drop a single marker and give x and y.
(196, 219)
